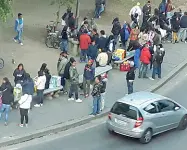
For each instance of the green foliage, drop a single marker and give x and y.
(5, 9)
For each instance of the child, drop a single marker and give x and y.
(130, 77)
(103, 92)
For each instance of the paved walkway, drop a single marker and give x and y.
(33, 54)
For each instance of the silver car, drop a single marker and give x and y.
(144, 114)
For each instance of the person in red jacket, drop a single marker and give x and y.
(84, 44)
(145, 58)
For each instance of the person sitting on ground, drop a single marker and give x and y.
(102, 43)
(102, 59)
(88, 77)
(92, 51)
(19, 74)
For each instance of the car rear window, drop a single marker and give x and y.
(125, 110)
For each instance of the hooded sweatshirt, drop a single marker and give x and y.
(7, 93)
(102, 43)
(124, 33)
(19, 75)
(145, 56)
(89, 72)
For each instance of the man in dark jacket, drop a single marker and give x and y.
(28, 85)
(88, 76)
(96, 93)
(183, 29)
(92, 51)
(130, 77)
(95, 36)
(175, 26)
(66, 15)
(116, 29)
(102, 43)
(67, 75)
(146, 11)
(7, 98)
(98, 4)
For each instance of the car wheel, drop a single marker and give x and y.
(146, 137)
(183, 123)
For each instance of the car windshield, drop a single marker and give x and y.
(125, 110)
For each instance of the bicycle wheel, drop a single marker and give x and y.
(1, 63)
(56, 45)
(49, 41)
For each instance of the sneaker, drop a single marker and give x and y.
(15, 40)
(21, 125)
(41, 105)
(65, 93)
(70, 99)
(26, 125)
(86, 96)
(6, 124)
(37, 105)
(78, 101)
(185, 41)
(92, 115)
(151, 78)
(21, 44)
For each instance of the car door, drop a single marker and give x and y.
(171, 117)
(154, 118)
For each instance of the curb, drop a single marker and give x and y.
(84, 120)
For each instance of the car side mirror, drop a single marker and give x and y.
(176, 108)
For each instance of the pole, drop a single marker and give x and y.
(77, 13)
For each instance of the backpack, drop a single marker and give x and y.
(66, 71)
(159, 57)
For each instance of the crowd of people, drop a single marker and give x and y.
(96, 49)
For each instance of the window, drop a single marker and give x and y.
(151, 108)
(125, 110)
(166, 105)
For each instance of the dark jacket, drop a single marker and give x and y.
(175, 23)
(64, 35)
(7, 93)
(95, 37)
(66, 71)
(183, 21)
(96, 89)
(28, 87)
(71, 22)
(116, 27)
(158, 57)
(130, 74)
(19, 75)
(89, 72)
(124, 33)
(48, 78)
(92, 51)
(103, 87)
(98, 3)
(102, 43)
(146, 10)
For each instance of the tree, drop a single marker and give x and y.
(5, 9)
(59, 4)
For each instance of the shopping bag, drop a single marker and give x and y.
(17, 92)
(125, 66)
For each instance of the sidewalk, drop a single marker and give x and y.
(60, 110)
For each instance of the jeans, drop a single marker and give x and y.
(182, 34)
(18, 36)
(97, 11)
(83, 55)
(102, 105)
(86, 86)
(62, 80)
(96, 104)
(156, 70)
(64, 45)
(40, 96)
(143, 70)
(24, 115)
(5, 108)
(130, 86)
(73, 89)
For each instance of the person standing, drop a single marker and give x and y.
(84, 44)
(103, 92)
(157, 61)
(88, 76)
(19, 74)
(19, 29)
(145, 58)
(116, 29)
(40, 84)
(98, 4)
(96, 94)
(146, 11)
(183, 28)
(95, 36)
(74, 80)
(64, 39)
(130, 77)
(136, 10)
(102, 43)
(125, 34)
(7, 98)
(25, 105)
(92, 51)
(62, 61)
(175, 26)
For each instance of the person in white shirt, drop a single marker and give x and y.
(102, 59)
(40, 84)
(25, 104)
(136, 10)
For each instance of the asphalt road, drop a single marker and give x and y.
(96, 137)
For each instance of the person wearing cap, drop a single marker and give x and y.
(146, 11)
(84, 44)
(62, 61)
(88, 76)
(74, 81)
(136, 10)
(130, 77)
(19, 29)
